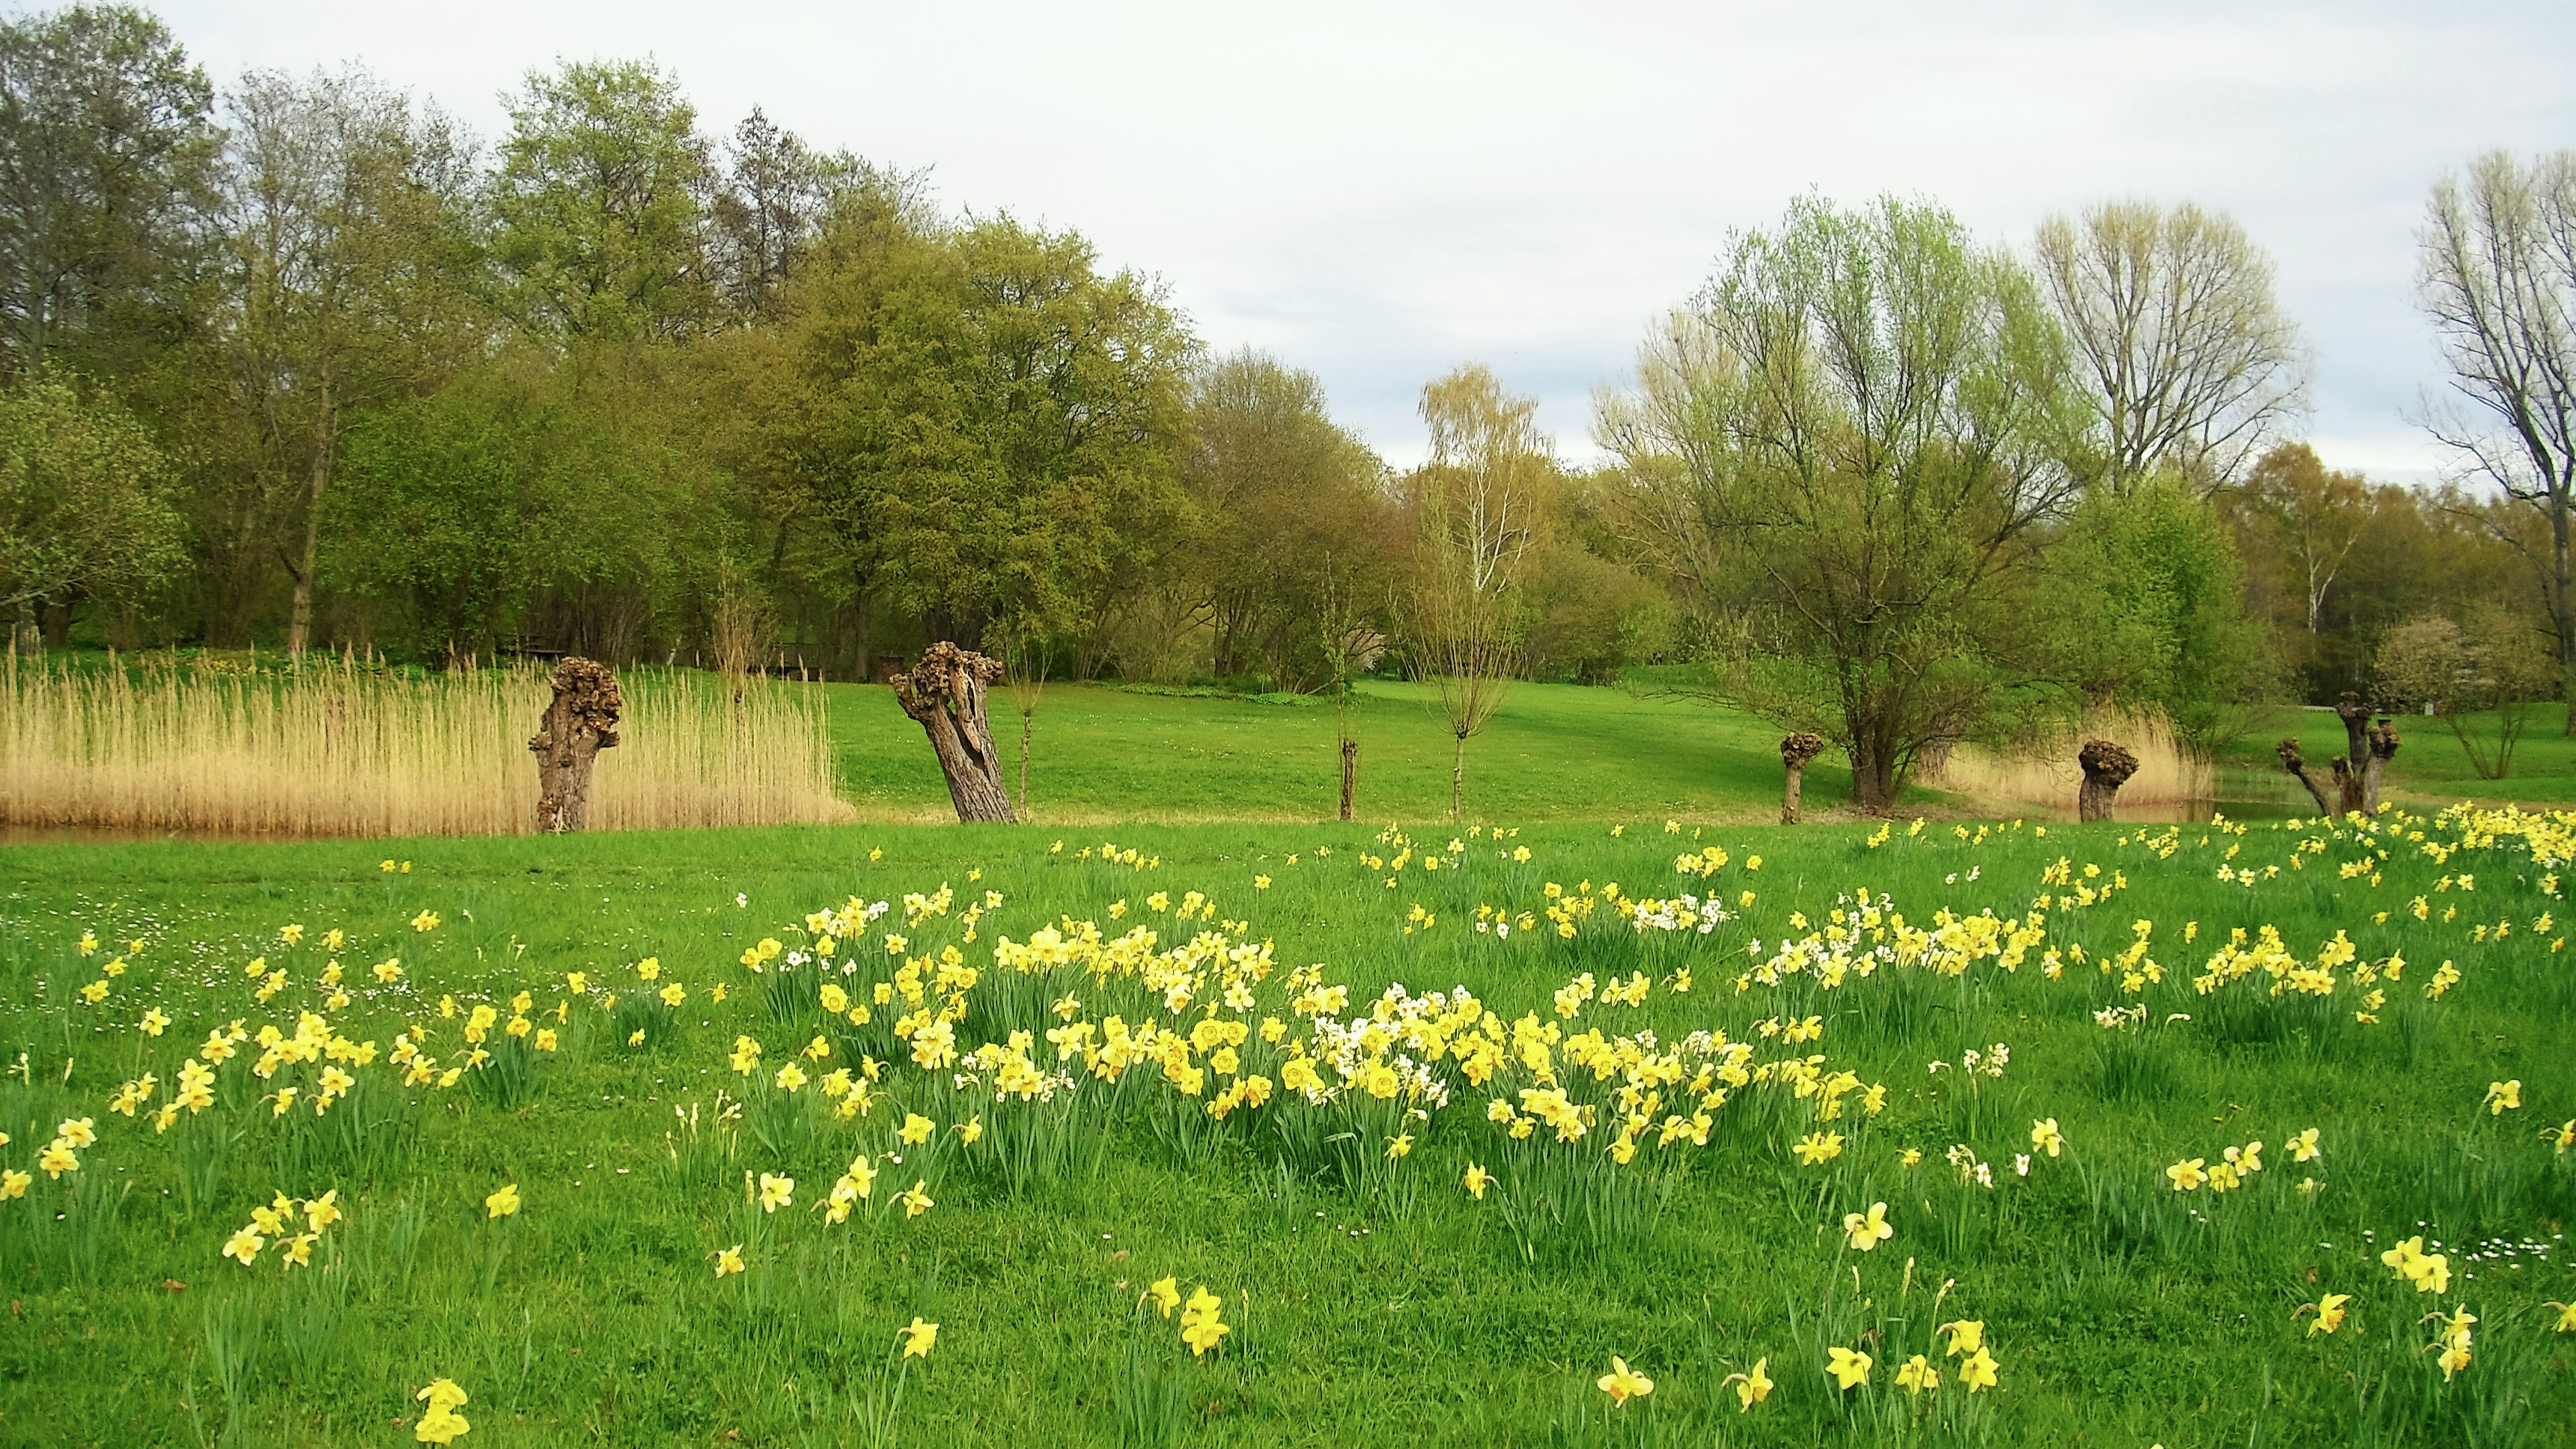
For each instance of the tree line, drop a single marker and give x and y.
(300, 361)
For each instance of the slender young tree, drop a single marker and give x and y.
(1481, 508)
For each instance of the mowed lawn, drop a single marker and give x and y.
(1690, 1123)
(1553, 752)
(1103, 753)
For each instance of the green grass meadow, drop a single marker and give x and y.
(1103, 753)
(1369, 1298)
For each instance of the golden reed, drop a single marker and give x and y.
(337, 747)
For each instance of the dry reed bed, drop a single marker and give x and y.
(2170, 778)
(338, 749)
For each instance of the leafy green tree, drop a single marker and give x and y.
(1295, 508)
(108, 160)
(988, 424)
(352, 275)
(565, 499)
(1861, 429)
(2140, 606)
(84, 500)
(597, 204)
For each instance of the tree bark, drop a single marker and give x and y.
(2383, 744)
(1458, 783)
(2292, 761)
(2356, 719)
(1028, 723)
(2107, 767)
(945, 694)
(580, 723)
(1795, 751)
(1350, 773)
(299, 620)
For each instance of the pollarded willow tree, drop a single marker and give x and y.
(1837, 454)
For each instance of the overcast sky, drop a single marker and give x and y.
(1379, 192)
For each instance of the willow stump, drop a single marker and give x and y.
(580, 723)
(2381, 742)
(1350, 773)
(1795, 751)
(2107, 767)
(945, 693)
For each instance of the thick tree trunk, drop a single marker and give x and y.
(2356, 720)
(24, 635)
(945, 693)
(1350, 772)
(2107, 767)
(2382, 743)
(2297, 765)
(1873, 776)
(580, 723)
(1795, 751)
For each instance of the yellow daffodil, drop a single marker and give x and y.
(1477, 1180)
(1818, 1147)
(2304, 1148)
(1200, 1325)
(1966, 1336)
(728, 1260)
(1623, 1383)
(1867, 1231)
(915, 1201)
(2044, 1137)
(1977, 1370)
(440, 1423)
(14, 1183)
(2503, 1097)
(502, 1204)
(1918, 1374)
(2330, 1312)
(1753, 1387)
(918, 1337)
(916, 1129)
(244, 1245)
(1165, 1294)
(1850, 1367)
(2190, 1175)
(2429, 1272)
(776, 1192)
